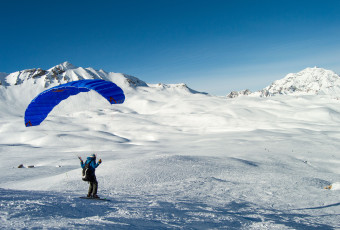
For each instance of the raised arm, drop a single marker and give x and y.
(99, 162)
(81, 162)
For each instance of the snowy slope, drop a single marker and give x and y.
(310, 81)
(172, 158)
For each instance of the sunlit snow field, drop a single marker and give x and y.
(172, 159)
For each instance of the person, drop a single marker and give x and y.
(93, 188)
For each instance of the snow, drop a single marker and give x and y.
(172, 158)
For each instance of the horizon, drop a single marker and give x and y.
(212, 46)
(253, 91)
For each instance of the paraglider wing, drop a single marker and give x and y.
(44, 103)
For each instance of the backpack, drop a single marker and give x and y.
(87, 172)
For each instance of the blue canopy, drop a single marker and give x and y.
(44, 103)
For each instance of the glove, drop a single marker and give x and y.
(100, 161)
(80, 159)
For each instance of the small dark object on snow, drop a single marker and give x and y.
(20, 166)
(30, 166)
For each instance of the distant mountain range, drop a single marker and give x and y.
(310, 81)
(66, 72)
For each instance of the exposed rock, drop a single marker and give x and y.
(234, 94)
(38, 73)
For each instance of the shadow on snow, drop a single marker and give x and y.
(35, 209)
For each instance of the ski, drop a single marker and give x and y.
(91, 198)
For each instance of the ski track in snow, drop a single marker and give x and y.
(172, 160)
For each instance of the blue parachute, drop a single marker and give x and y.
(44, 103)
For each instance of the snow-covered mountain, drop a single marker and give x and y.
(66, 72)
(310, 81)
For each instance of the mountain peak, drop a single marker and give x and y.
(63, 66)
(308, 81)
(313, 71)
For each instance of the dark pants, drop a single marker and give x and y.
(93, 187)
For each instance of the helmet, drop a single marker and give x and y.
(93, 156)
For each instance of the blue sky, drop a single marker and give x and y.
(213, 46)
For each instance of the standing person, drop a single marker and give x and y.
(92, 165)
